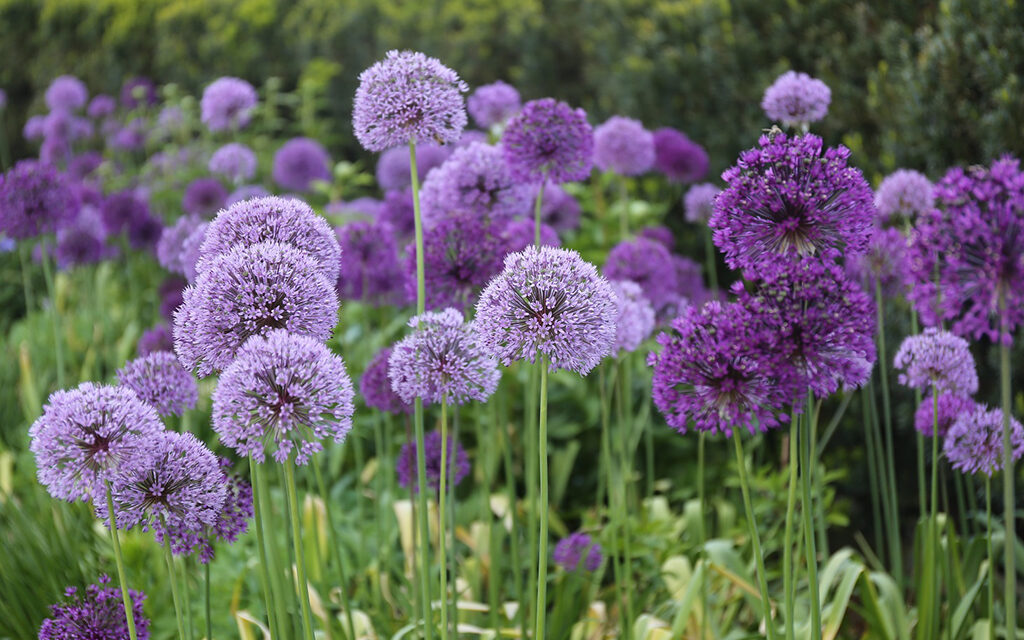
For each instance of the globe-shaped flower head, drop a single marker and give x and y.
(951, 407)
(86, 434)
(560, 209)
(635, 318)
(904, 193)
(101, 106)
(937, 360)
(284, 393)
(161, 381)
(699, 202)
(974, 444)
(885, 261)
(299, 162)
(370, 269)
(548, 302)
(678, 157)
(623, 145)
(408, 97)
(204, 196)
(99, 614)
(35, 199)
(521, 233)
(796, 99)
(83, 241)
(234, 161)
(156, 338)
(549, 139)
(227, 104)
(578, 551)
(375, 386)
(66, 93)
(394, 165)
(493, 104)
(649, 264)
(457, 459)
(169, 250)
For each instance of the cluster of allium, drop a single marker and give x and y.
(273, 219)
(66, 93)
(476, 181)
(234, 161)
(457, 460)
(578, 551)
(559, 209)
(904, 193)
(161, 381)
(204, 196)
(375, 386)
(247, 291)
(549, 140)
(284, 392)
(967, 253)
(156, 338)
(370, 269)
(974, 444)
(647, 263)
(97, 615)
(441, 361)
(227, 104)
(796, 99)
(408, 97)
(170, 248)
(678, 157)
(790, 197)
(493, 104)
(885, 261)
(519, 234)
(83, 241)
(635, 321)
(299, 162)
(35, 199)
(550, 303)
(394, 165)
(86, 434)
(699, 202)
(951, 407)
(623, 145)
(938, 361)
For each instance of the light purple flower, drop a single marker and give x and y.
(904, 193)
(974, 444)
(475, 180)
(156, 338)
(938, 361)
(796, 99)
(549, 140)
(299, 162)
(699, 202)
(951, 407)
(393, 166)
(227, 104)
(647, 263)
(493, 104)
(635, 320)
(370, 270)
(161, 381)
(234, 161)
(623, 145)
(66, 93)
(101, 106)
(375, 386)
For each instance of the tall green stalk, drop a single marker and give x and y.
(26, 281)
(51, 291)
(787, 536)
(991, 560)
(336, 548)
(186, 600)
(442, 539)
(119, 560)
(542, 463)
(1009, 477)
(613, 510)
(206, 600)
(510, 489)
(755, 538)
(261, 544)
(300, 556)
(625, 473)
(172, 577)
(807, 508)
(895, 547)
(536, 210)
(701, 532)
(873, 471)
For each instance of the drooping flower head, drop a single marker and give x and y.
(493, 104)
(974, 444)
(285, 392)
(227, 104)
(635, 320)
(370, 269)
(156, 338)
(678, 157)
(86, 434)
(299, 162)
(886, 261)
(521, 233)
(204, 196)
(699, 202)
(98, 614)
(904, 193)
(796, 99)
(790, 197)
(251, 290)
(172, 241)
(375, 386)
(623, 145)
(234, 161)
(66, 93)
(475, 180)
(408, 97)
(951, 407)
(35, 199)
(937, 360)
(159, 380)
(405, 465)
(394, 165)
(549, 139)
(548, 302)
(559, 209)
(578, 551)
(647, 263)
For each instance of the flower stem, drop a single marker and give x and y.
(1009, 503)
(276, 612)
(206, 594)
(787, 544)
(26, 281)
(883, 369)
(755, 539)
(510, 488)
(542, 548)
(624, 213)
(172, 577)
(701, 532)
(991, 560)
(300, 558)
(807, 477)
(51, 291)
(623, 385)
(441, 517)
(119, 559)
(336, 548)
(186, 600)
(536, 210)
(606, 461)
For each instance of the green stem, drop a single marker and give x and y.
(530, 404)
(26, 281)
(624, 475)
(1009, 477)
(261, 544)
(701, 532)
(807, 477)
(336, 546)
(624, 212)
(300, 556)
(442, 540)
(536, 210)
(542, 461)
(755, 539)
(883, 369)
(206, 599)
(609, 469)
(787, 543)
(510, 489)
(172, 577)
(51, 291)
(991, 560)
(186, 600)
(421, 288)
(452, 569)
(876, 492)
(119, 560)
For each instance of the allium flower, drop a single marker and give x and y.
(137, 92)
(375, 386)
(406, 97)
(548, 302)
(904, 193)
(885, 260)
(623, 145)
(33, 129)
(699, 202)
(234, 161)
(635, 320)
(246, 192)
(689, 281)
(251, 291)
(98, 615)
(440, 360)
(120, 208)
(160, 380)
(559, 209)
(170, 121)
(796, 99)
(938, 361)
(190, 251)
(231, 522)
(86, 434)
(549, 139)
(64, 127)
(84, 164)
(951, 407)
(578, 551)
(370, 270)
(284, 392)
(678, 157)
(131, 137)
(475, 180)
(66, 93)
(83, 241)
(172, 294)
(156, 338)
(101, 106)
(35, 199)
(647, 263)
(493, 104)
(299, 162)
(204, 196)
(397, 209)
(789, 197)
(144, 231)
(405, 465)
(393, 166)
(519, 234)
(227, 104)
(973, 243)
(659, 234)
(169, 248)
(974, 444)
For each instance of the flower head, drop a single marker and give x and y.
(974, 444)
(156, 338)
(227, 104)
(937, 360)
(578, 551)
(172, 294)
(660, 234)
(635, 321)
(96, 615)
(234, 161)
(161, 381)
(904, 193)
(190, 248)
(699, 202)
(172, 241)
(559, 209)
(397, 209)
(493, 104)
(35, 199)
(299, 162)
(623, 145)
(647, 263)
(521, 233)
(204, 196)
(796, 99)
(678, 157)
(375, 386)
(101, 106)
(394, 165)
(951, 407)
(66, 93)
(457, 459)
(549, 139)
(886, 261)
(83, 241)
(370, 270)
(120, 208)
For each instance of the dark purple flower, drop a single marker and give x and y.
(234, 161)
(66, 93)
(623, 145)
(138, 92)
(370, 270)
(156, 338)
(227, 104)
(375, 386)
(678, 157)
(98, 615)
(405, 465)
(974, 444)
(549, 139)
(578, 551)
(120, 208)
(690, 287)
(299, 162)
(493, 104)
(84, 164)
(904, 194)
(522, 233)
(204, 196)
(796, 99)
(393, 170)
(35, 199)
(83, 241)
(647, 263)
(161, 381)
(144, 231)
(951, 407)
(938, 361)
(171, 292)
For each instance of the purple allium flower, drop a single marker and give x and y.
(699, 202)
(559, 209)
(968, 251)
(234, 161)
(647, 263)
(397, 209)
(660, 234)
(461, 253)
(171, 120)
(66, 93)
(493, 104)
(161, 381)
(440, 360)
(405, 465)
(246, 192)
(120, 208)
(101, 106)
(84, 164)
(190, 251)
(299, 162)
(375, 386)
(885, 260)
(55, 151)
(548, 302)
(131, 137)
(64, 127)
(98, 615)
(156, 338)
(86, 434)
(251, 290)
(475, 180)
(169, 248)
(974, 444)
(273, 219)
(635, 320)
(144, 231)
(938, 361)
(171, 292)
(33, 129)
(904, 193)
(227, 104)
(678, 157)
(623, 145)
(83, 241)
(138, 92)
(689, 280)
(519, 234)
(549, 139)
(232, 521)
(35, 199)
(365, 206)
(578, 551)
(204, 196)
(370, 270)
(951, 407)
(284, 391)
(393, 166)
(470, 136)
(408, 97)
(796, 99)
(789, 197)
